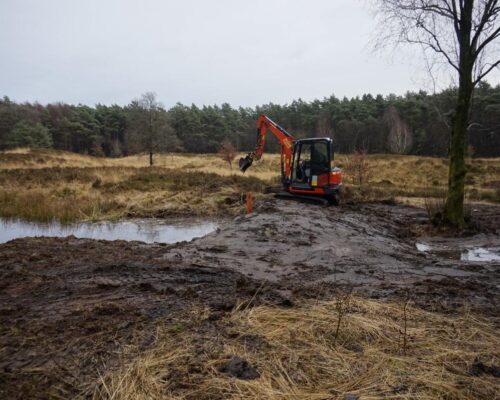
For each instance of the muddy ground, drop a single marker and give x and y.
(67, 305)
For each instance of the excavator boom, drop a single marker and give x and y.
(286, 140)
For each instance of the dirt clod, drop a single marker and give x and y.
(239, 368)
(478, 368)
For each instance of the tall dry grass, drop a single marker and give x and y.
(69, 186)
(298, 356)
(43, 206)
(89, 193)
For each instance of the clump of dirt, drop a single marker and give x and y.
(239, 368)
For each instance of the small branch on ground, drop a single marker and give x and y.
(342, 305)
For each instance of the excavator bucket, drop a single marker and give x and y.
(245, 163)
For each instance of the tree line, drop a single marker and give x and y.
(414, 123)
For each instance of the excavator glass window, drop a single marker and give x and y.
(311, 158)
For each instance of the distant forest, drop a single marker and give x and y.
(416, 123)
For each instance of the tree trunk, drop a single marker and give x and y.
(150, 158)
(454, 207)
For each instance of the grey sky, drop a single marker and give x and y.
(193, 51)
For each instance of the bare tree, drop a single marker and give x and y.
(358, 169)
(228, 153)
(149, 124)
(400, 138)
(462, 34)
(151, 107)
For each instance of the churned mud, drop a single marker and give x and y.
(67, 305)
(371, 248)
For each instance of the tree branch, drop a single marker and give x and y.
(483, 74)
(437, 47)
(489, 11)
(493, 36)
(456, 20)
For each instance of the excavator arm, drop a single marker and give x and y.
(286, 143)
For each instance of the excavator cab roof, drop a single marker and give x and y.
(328, 141)
(316, 142)
(314, 139)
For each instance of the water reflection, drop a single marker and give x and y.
(145, 230)
(480, 254)
(423, 247)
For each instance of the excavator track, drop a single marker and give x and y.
(273, 189)
(302, 198)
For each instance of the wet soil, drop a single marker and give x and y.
(67, 305)
(370, 248)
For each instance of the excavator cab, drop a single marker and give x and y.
(311, 169)
(311, 158)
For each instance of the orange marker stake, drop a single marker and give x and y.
(249, 202)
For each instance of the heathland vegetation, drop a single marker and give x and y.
(43, 185)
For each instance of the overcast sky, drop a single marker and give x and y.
(244, 52)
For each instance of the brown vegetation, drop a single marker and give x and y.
(70, 187)
(45, 184)
(227, 152)
(297, 356)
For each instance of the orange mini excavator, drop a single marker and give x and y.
(306, 164)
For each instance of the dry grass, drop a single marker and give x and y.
(295, 352)
(47, 184)
(36, 159)
(423, 177)
(43, 206)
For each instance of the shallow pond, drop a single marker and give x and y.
(145, 230)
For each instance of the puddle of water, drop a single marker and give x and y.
(480, 254)
(423, 247)
(483, 254)
(145, 230)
